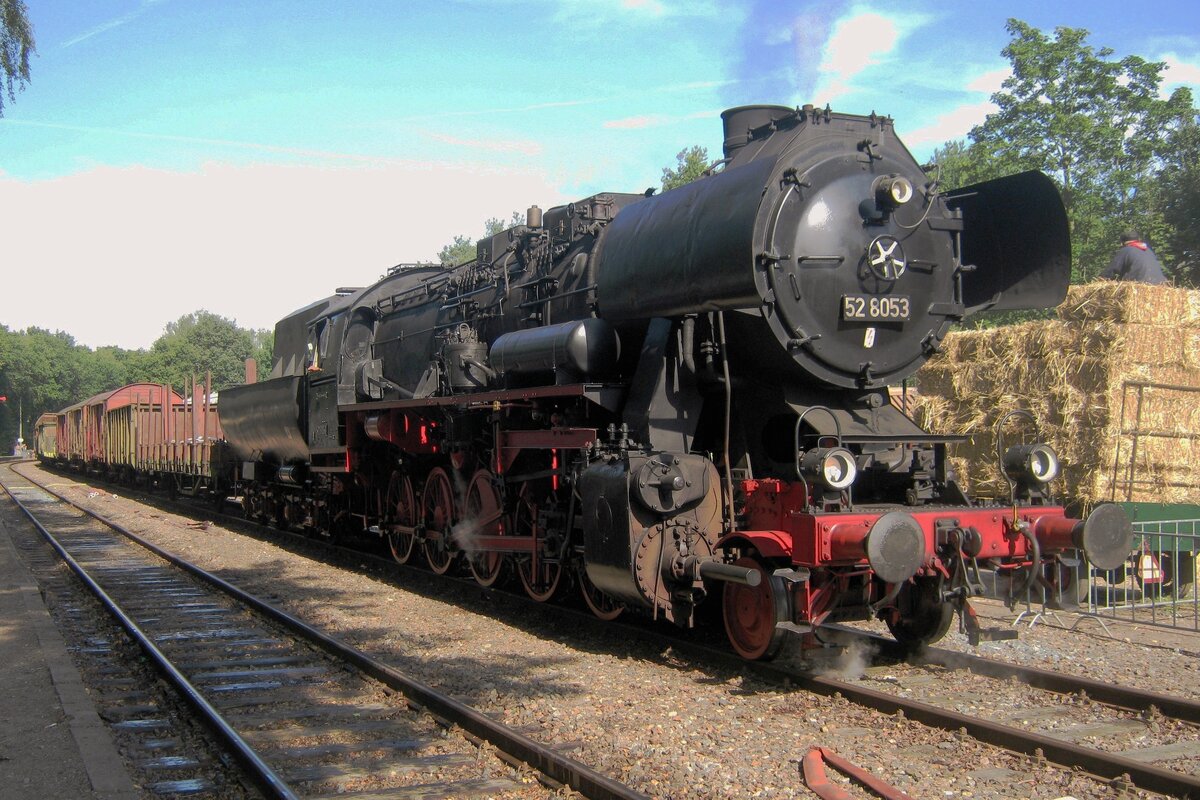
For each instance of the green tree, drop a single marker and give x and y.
(16, 45)
(690, 164)
(1094, 123)
(264, 346)
(42, 371)
(201, 342)
(459, 251)
(961, 164)
(1176, 198)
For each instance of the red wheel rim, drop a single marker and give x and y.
(540, 576)
(482, 517)
(402, 510)
(437, 503)
(752, 612)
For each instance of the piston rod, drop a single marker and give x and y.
(720, 571)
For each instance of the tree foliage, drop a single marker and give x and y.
(1174, 196)
(42, 371)
(16, 45)
(1096, 124)
(198, 343)
(690, 164)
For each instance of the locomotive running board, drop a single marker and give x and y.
(608, 396)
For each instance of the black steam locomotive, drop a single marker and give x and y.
(654, 397)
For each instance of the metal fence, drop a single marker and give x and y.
(1156, 585)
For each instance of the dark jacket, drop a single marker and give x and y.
(1135, 261)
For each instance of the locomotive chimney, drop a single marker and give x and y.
(740, 121)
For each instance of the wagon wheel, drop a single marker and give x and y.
(752, 613)
(540, 576)
(437, 503)
(483, 516)
(401, 509)
(597, 601)
(921, 617)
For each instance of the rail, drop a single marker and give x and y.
(559, 767)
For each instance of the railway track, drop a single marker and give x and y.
(304, 715)
(1066, 728)
(1054, 719)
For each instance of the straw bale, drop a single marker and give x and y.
(1131, 303)
(1078, 375)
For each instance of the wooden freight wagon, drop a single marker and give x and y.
(93, 435)
(45, 437)
(180, 442)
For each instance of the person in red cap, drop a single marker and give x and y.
(1135, 261)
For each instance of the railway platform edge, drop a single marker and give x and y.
(54, 743)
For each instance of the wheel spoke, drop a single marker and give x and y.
(438, 506)
(539, 575)
(482, 517)
(401, 510)
(597, 601)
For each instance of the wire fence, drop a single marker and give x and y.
(1156, 585)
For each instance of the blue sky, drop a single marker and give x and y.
(248, 157)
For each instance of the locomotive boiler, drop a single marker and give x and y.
(658, 397)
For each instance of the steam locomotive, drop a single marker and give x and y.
(658, 397)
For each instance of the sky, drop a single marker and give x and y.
(248, 158)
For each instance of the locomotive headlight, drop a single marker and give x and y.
(893, 190)
(833, 467)
(1031, 463)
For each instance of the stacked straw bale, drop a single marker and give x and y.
(1077, 374)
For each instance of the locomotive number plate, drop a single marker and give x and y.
(867, 308)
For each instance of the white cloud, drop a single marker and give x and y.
(112, 23)
(858, 44)
(989, 82)
(954, 124)
(652, 7)
(112, 255)
(522, 146)
(596, 13)
(234, 144)
(1180, 73)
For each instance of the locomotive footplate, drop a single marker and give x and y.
(607, 396)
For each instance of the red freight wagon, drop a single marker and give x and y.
(88, 426)
(181, 441)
